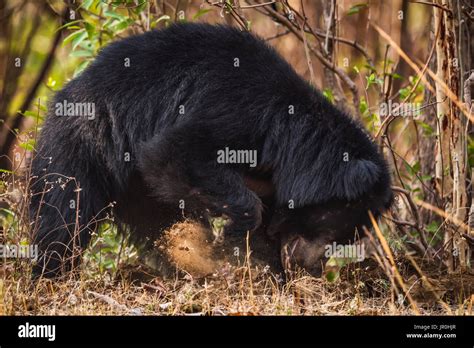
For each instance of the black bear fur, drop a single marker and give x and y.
(236, 92)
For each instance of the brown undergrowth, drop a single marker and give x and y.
(243, 286)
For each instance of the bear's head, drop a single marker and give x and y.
(307, 234)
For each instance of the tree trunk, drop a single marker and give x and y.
(452, 149)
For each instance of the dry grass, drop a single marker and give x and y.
(379, 286)
(243, 290)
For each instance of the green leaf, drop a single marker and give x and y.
(427, 129)
(81, 53)
(248, 25)
(78, 39)
(371, 78)
(370, 67)
(417, 166)
(81, 67)
(114, 15)
(329, 95)
(426, 177)
(122, 25)
(28, 145)
(202, 12)
(356, 8)
(333, 267)
(413, 169)
(432, 227)
(140, 7)
(163, 18)
(363, 107)
(28, 113)
(69, 24)
(72, 36)
(87, 4)
(332, 276)
(404, 92)
(396, 76)
(90, 30)
(7, 211)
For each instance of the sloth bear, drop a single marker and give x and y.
(203, 121)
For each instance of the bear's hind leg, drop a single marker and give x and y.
(63, 218)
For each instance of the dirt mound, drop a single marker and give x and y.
(189, 247)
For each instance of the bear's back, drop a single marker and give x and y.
(218, 57)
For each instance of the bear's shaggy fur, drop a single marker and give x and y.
(166, 102)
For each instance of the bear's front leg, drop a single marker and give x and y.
(181, 170)
(222, 193)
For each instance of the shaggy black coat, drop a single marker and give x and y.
(165, 102)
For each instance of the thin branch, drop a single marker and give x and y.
(286, 32)
(414, 209)
(431, 4)
(338, 71)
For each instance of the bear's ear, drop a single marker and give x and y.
(359, 177)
